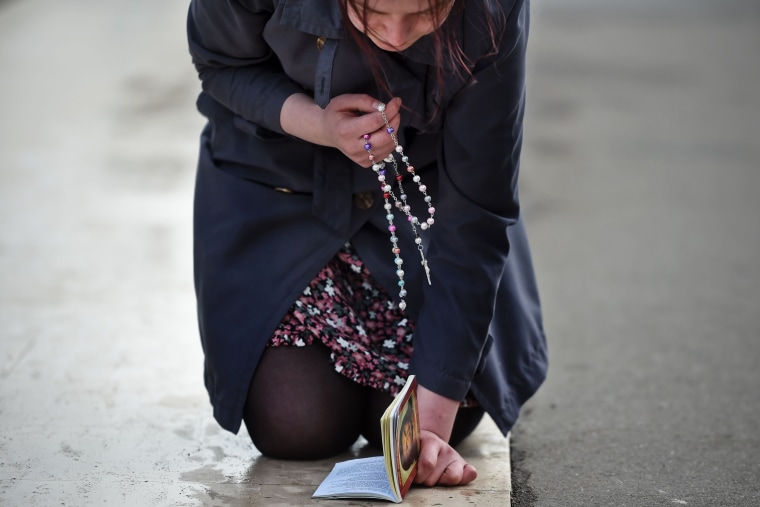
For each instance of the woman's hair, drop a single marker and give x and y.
(446, 48)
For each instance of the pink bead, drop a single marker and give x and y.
(423, 188)
(431, 210)
(366, 136)
(410, 169)
(392, 228)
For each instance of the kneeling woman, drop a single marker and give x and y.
(357, 220)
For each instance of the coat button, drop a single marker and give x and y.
(364, 200)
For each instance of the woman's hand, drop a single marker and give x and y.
(438, 462)
(342, 124)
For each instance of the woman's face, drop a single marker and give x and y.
(394, 25)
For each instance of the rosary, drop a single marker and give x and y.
(400, 202)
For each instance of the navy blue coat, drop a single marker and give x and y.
(271, 210)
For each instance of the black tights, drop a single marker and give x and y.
(298, 407)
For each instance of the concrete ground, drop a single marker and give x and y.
(641, 182)
(640, 177)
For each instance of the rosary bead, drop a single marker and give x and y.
(399, 202)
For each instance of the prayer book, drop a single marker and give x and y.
(386, 477)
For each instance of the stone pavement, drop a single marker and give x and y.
(101, 394)
(640, 183)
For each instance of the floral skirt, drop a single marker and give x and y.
(369, 337)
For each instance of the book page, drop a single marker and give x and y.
(364, 477)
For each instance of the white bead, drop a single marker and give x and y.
(414, 220)
(399, 261)
(416, 178)
(387, 206)
(424, 226)
(399, 149)
(387, 188)
(389, 158)
(402, 293)
(381, 107)
(418, 241)
(402, 304)
(376, 167)
(400, 273)
(405, 159)
(381, 177)
(428, 198)
(406, 209)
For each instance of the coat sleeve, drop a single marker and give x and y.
(235, 64)
(478, 166)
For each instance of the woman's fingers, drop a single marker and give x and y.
(349, 117)
(439, 464)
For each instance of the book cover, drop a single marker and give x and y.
(386, 477)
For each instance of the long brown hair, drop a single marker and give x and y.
(447, 50)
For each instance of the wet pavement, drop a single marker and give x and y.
(101, 392)
(640, 176)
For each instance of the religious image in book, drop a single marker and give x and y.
(408, 444)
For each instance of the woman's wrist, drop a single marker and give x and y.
(301, 117)
(437, 413)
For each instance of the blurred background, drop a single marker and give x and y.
(639, 179)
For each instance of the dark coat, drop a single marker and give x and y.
(271, 210)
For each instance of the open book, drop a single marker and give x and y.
(389, 476)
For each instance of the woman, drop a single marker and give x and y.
(316, 296)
